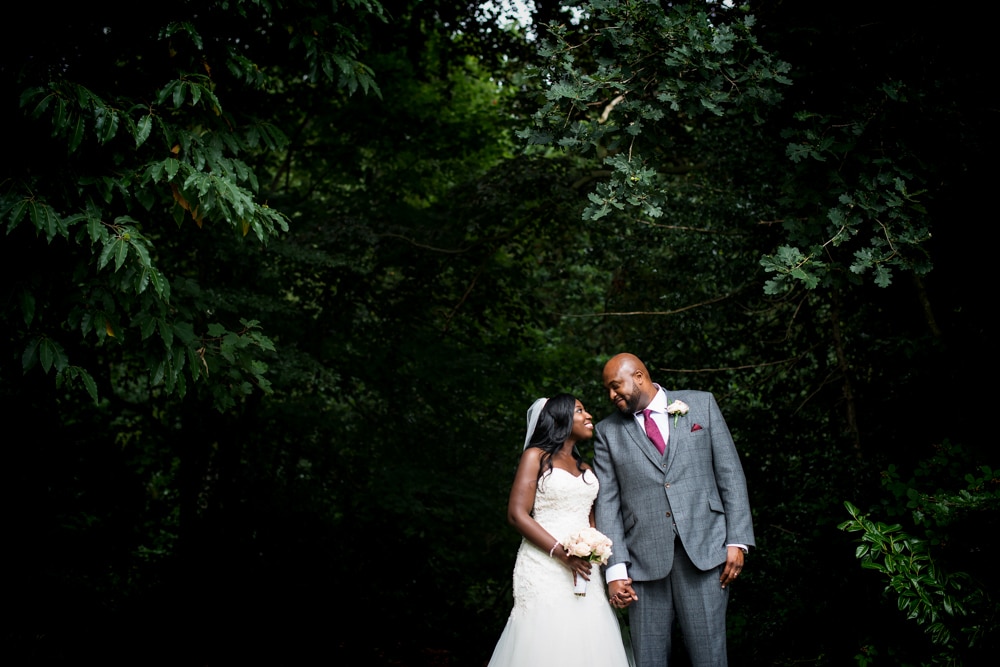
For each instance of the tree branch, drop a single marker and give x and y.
(721, 369)
(449, 251)
(607, 110)
(655, 312)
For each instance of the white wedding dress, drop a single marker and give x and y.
(550, 625)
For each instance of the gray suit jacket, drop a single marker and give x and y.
(696, 489)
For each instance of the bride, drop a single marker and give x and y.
(551, 498)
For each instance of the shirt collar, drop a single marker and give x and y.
(659, 402)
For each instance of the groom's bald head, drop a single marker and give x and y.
(627, 380)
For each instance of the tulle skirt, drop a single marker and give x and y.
(564, 630)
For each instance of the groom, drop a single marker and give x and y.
(673, 499)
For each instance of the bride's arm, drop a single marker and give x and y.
(522, 501)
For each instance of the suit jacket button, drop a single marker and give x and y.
(668, 513)
(667, 485)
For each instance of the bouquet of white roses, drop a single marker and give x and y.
(589, 544)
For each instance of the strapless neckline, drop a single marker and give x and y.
(569, 473)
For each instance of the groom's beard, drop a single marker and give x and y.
(630, 405)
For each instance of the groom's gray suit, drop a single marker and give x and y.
(670, 518)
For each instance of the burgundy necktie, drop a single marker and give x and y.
(653, 431)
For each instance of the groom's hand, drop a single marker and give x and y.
(733, 567)
(620, 593)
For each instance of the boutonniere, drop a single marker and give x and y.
(677, 409)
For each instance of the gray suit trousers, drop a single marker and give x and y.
(698, 602)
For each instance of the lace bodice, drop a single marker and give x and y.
(563, 501)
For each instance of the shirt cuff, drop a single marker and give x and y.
(744, 547)
(616, 572)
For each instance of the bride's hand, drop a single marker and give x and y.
(578, 566)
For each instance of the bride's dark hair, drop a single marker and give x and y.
(555, 423)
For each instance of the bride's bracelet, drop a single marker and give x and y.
(553, 548)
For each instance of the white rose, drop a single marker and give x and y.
(678, 408)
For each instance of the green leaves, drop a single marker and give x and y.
(50, 355)
(42, 216)
(244, 371)
(141, 142)
(791, 264)
(644, 86)
(209, 184)
(46, 352)
(71, 376)
(645, 82)
(331, 51)
(187, 29)
(953, 610)
(873, 201)
(77, 110)
(190, 89)
(142, 129)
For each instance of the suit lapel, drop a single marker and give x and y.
(642, 441)
(675, 439)
(679, 436)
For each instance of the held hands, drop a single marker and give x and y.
(620, 593)
(733, 567)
